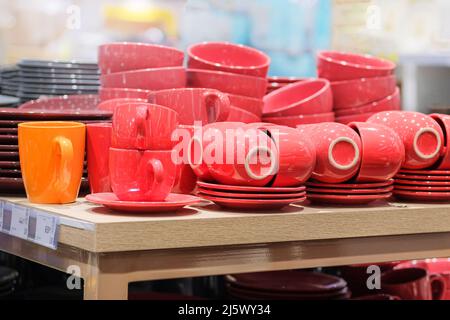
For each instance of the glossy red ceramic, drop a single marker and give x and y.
(382, 152)
(281, 80)
(245, 294)
(355, 118)
(67, 102)
(423, 183)
(338, 151)
(346, 199)
(252, 105)
(350, 185)
(228, 57)
(421, 135)
(172, 203)
(194, 104)
(426, 172)
(306, 97)
(124, 56)
(246, 189)
(444, 121)
(422, 196)
(98, 142)
(141, 175)
(253, 204)
(13, 115)
(388, 103)
(237, 195)
(143, 126)
(351, 191)
(241, 115)
(413, 284)
(337, 66)
(238, 84)
(148, 79)
(117, 93)
(359, 92)
(294, 121)
(421, 188)
(111, 105)
(443, 178)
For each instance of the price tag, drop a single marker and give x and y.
(7, 214)
(19, 222)
(43, 229)
(1, 214)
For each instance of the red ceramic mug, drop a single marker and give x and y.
(194, 104)
(141, 175)
(112, 104)
(413, 284)
(97, 146)
(444, 121)
(143, 126)
(118, 93)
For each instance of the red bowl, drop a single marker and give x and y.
(228, 57)
(287, 80)
(117, 93)
(353, 93)
(252, 105)
(306, 97)
(337, 66)
(110, 105)
(148, 79)
(117, 57)
(355, 118)
(254, 87)
(241, 115)
(294, 121)
(391, 102)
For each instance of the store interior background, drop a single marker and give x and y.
(414, 33)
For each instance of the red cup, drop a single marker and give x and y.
(98, 137)
(444, 121)
(143, 126)
(294, 121)
(241, 115)
(194, 104)
(338, 151)
(296, 156)
(378, 297)
(117, 93)
(141, 176)
(359, 92)
(382, 152)
(228, 57)
(238, 84)
(117, 57)
(305, 97)
(413, 284)
(148, 79)
(389, 103)
(338, 66)
(111, 105)
(354, 118)
(252, 105)
(421, 135)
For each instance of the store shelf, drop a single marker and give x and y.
(114, 249)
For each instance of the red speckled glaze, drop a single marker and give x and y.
(444, 121)
(111, 105)
(118, 93)
(98, 142)
(241, 115)
(252, 105)
(294, 121)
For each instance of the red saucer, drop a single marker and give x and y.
(426, 172)
(351, 191)
(214, 186)
(348, 200)
(173, 202)
(350, 185)
(253, 204)
(236, 195)
(421, 188)
(417, 177)
(422, 196)
(422, 183)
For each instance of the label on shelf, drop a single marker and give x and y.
(43, 229)
(19, 222)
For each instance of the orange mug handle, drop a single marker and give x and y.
(217, 106)
(438, 286)
(64, 149)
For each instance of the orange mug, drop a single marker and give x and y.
(51, 159)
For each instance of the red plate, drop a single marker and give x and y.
(173, 202)
(39, 114)
(11, 184)
(351, 191)
(8, 139)
(422, 196)
(225, 187)
(348, 200)
(9, 164)
(426, 178)
(422, 183)
(251, 195)
(421, 188)
(253, 204)
(350, 185)
(425, 172)
(9, 155)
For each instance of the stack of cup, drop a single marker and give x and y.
(362, 85)
(234, 69)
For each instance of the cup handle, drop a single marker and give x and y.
(438, 286)
(141, 128)
(217, 106)
(273, 163)
(156, 172)
(64, 149)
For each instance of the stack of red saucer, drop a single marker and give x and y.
(286, 285)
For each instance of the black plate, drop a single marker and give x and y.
(50, 88)
(57, 64)
(50, 71)
(56, 81)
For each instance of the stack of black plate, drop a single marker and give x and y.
(8, 278)
(8, 83)
(37, 78)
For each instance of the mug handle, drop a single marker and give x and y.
(65, 151)
(217, 106)
(438, 286)
(156, 171)
(141, 128)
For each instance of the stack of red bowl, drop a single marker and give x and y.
(275, 83)
(362, 85)
(237, 70)
(286, 285)
(355, 164)
(251, 166)
(299, 103)
(133, 70)
(425, 174)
